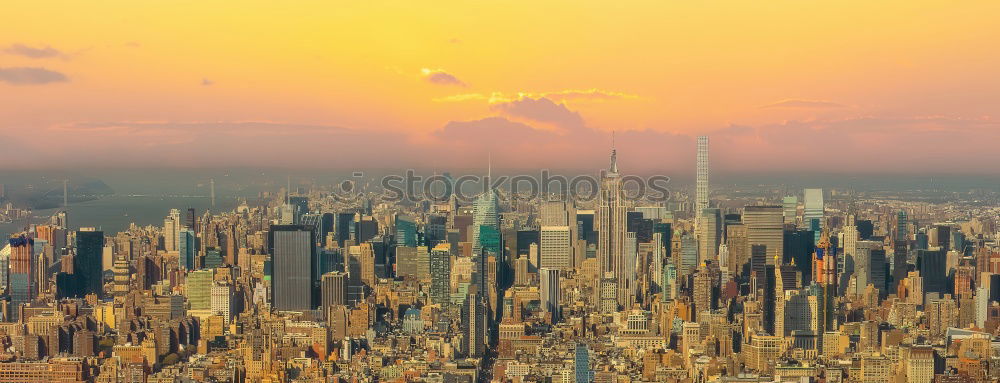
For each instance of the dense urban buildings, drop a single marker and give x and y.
(298, 286)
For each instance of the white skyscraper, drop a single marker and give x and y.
(611, 224)
(171, 230)
(813, 211)
(222, 301)
(701, 192)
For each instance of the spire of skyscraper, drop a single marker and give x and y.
(614, 155)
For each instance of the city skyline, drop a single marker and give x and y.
(850, 87)
(509, 191)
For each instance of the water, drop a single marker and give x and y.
(115, 213)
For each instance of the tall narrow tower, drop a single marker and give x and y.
(701, 192)
(212, 191)
(65, 193)
(611, 227)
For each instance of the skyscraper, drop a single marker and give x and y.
(581, 363)
(765, 226)
(555, 249)
(790, 207)
(171, 228)
(709, 235)
(440, 266)
(812, 215)
(902, 233)
(701, 192)
(199, 288)
(474, 324)
(611, 226)
(333, 289)
(933, 266)
(87, 262)
(485, 212)
(549, 294)
(702, 292)
(293, 267)
(186, 249)
(406, 231)
(22, 269)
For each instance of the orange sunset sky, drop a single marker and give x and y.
(837, 86)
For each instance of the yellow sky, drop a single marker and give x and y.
(682, 66)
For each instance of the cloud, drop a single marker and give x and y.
(794, 103)
(30, 76)
(487, 130)
(592, 94)
(207, 82)
(440, 77)
(33, 52)
(541, 110)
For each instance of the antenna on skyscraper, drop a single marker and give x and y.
(614, 155)
(288, 190)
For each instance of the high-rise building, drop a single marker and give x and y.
(790, 209)
(87, 266)
(294, 267)
(688, 255)
(406, 231)
(440, 266)
(333, 289)
(765, 226)
(581, 363)
(22, 269)
(670, 287)
(736, 244)
(186, 249)
(553, 213)
(555, 249)
(813, 210)
(485, 212)
(701, 192)
(933, 267)
(702, 292)
(198, 287)
(474, 324)
(920, 364)
(626, 274)
(611, 225)
(709, 235)
(171, 227)
(413, 261)
(902, 232)
(223, 301)
(549, 292)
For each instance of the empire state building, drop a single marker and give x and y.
(611, 227)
